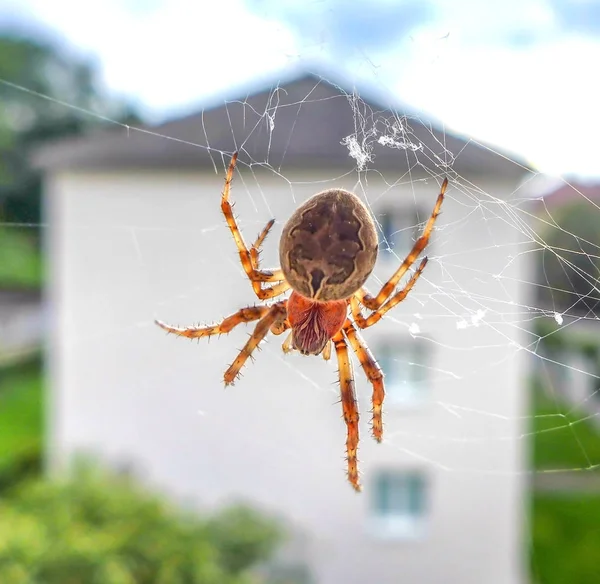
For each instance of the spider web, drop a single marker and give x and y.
(480, 308)
(480, 301)
(464, 307)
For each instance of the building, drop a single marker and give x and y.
(136, 234)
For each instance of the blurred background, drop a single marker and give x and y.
(123, 459)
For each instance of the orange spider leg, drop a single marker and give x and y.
(373, 373)
(374, 302)
(247, 314)
(275, 315)
(270, 291)
(280, 326)
(376, 315)
(349, 407)
(286, 347)
(249, 258)
(255, 249)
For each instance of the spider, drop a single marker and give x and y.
(327, 250)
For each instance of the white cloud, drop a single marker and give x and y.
(536, 99)
(174, 53)
(539, 102)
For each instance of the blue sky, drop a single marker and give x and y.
(519, 74)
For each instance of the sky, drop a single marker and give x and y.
(520, 74)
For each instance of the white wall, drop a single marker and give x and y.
(126, 248)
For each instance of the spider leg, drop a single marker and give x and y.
(249, 257)
(376, 315)
(268, 291)
(279, 327)
(349, 407)
(247, 314)
(255, 249)
(275, 315)
(374, 302)
(286, 347)
(373, 373)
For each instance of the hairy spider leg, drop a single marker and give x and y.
(374, 302)
(287, 347)
(373, 373)
(376, 315)
(276, 314)
(255, 249)
(256, 276)
(248, 314)
(349, 407)
(280, 326)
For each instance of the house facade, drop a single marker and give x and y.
(136, 233)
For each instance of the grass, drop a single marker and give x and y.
(21, 420)
(565, 525)
(563, 439)
(21, 264)
(21, 416)
(565, 539)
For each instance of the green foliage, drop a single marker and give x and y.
(565, 539)
(99, 529)
(96, 528)
(21, 264)
(563, 439)
(570, 267)
(241, 537)
(556, 338)
(49, 74)
(565, 532)
(21, 421)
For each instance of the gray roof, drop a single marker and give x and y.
(301, 123)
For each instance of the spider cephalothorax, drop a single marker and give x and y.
(327, 250)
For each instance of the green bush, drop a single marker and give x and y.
(99, 529)
(564, 437)
(21, 263)
(21, 421)
(565, 539)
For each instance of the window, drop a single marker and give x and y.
(398, 232)
(399, 503)
(406, 366)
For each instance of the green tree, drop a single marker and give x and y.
(27, 120)
(565, 538)
(100, 529)
(569, 270)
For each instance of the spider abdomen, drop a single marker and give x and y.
(329, 246)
